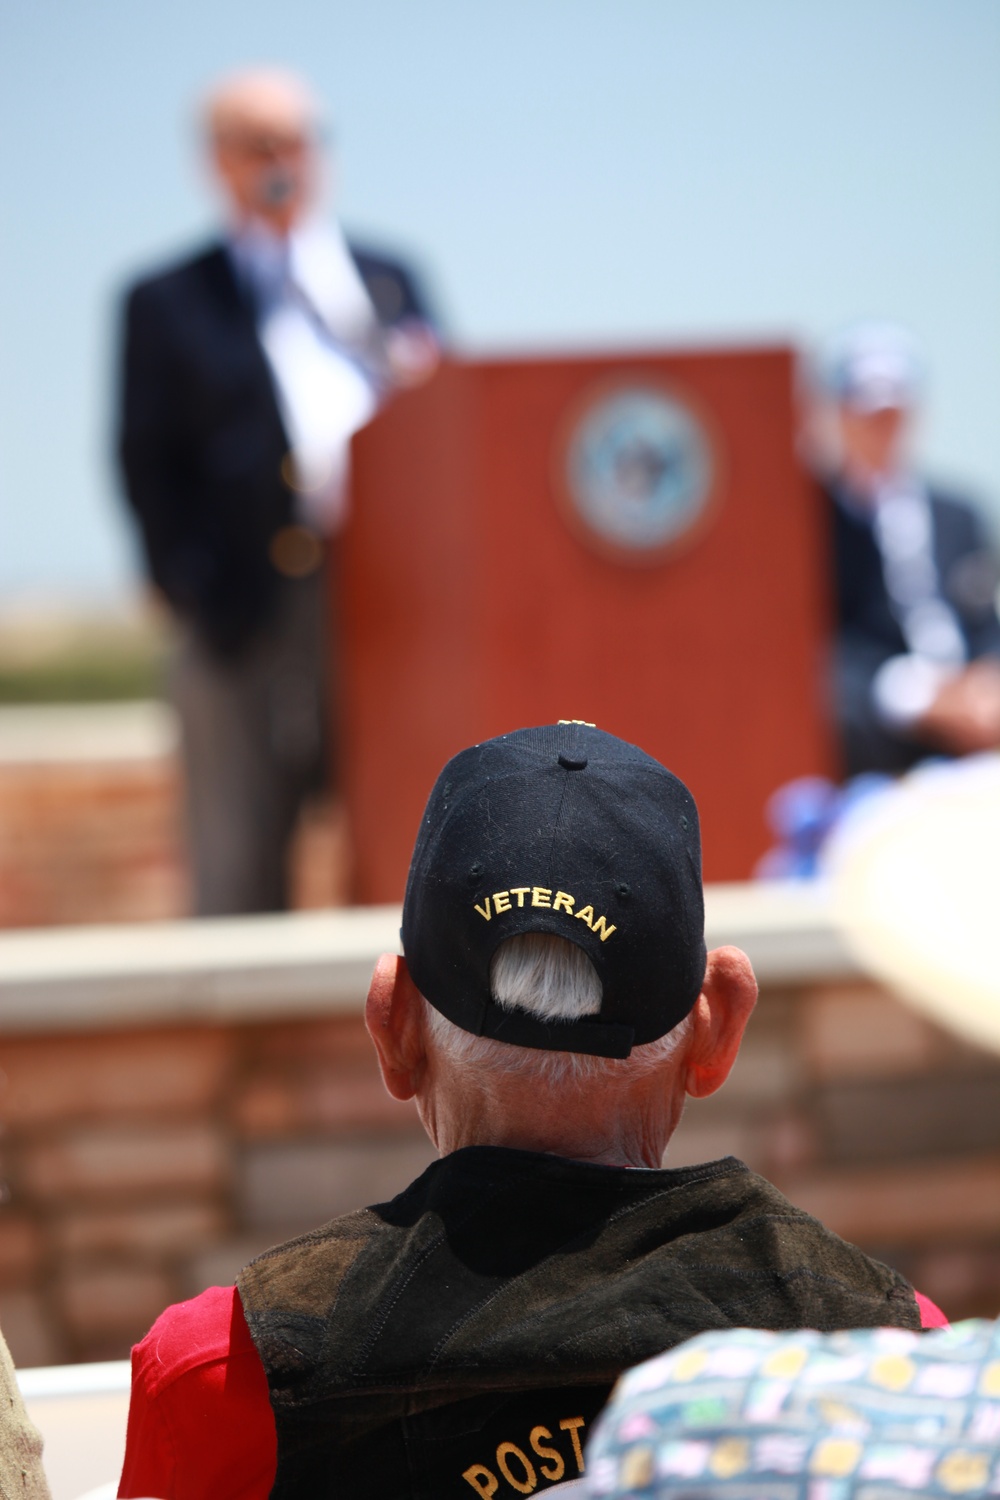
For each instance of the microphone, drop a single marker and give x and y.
(275, 187)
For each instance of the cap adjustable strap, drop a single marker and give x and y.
(596, 1038)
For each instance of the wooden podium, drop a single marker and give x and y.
(628, 541)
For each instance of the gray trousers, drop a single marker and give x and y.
(254, 742)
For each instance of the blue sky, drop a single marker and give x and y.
(571, 173)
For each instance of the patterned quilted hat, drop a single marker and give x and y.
(871, 1414)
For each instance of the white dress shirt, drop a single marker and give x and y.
(906, 685)
(316, 324)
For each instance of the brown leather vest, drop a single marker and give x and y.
(459, 1340)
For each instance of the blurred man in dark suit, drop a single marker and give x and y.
(247, 368)
(917, 656)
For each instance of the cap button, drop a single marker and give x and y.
(572, 762)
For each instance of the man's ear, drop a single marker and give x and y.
(394, 1017)
(721, 1012)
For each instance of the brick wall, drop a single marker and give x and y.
(85, 843)
(102, 841)
(140, 1166)
(879, 1123)
(143, 1165)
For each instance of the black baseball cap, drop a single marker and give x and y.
(567, 830)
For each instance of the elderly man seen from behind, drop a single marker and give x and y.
(553, 1009)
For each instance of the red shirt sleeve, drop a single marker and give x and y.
(931, 1315)
(199, 1424)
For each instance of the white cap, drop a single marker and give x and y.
(871, 366)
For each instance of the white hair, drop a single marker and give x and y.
(553, 979)
(269, 98)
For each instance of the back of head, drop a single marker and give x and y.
(550, 979)
(554, 901)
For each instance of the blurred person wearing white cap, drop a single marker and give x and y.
(246, 369)
(917, 655)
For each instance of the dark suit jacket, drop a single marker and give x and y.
(868, 633)
(202, 443)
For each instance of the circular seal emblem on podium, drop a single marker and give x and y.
(638, 470)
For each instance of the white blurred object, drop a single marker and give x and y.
(914, 878)
(107, 1492)
(81, 1412)
(872, 365)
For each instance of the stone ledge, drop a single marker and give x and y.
(52, 1382)
(86, 733)
(241, 968)
(786, 926)
(307, 963)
